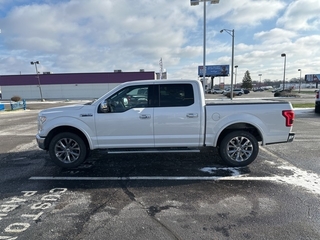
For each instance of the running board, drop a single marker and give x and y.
(153, 150)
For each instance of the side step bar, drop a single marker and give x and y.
(153, 150)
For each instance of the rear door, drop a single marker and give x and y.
(177, 116)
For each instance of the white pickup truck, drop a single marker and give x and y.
(163, 116)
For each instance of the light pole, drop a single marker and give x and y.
(235, 76)
(35, 64)
(231, 33)
(193, 3)
(299, 80)
(260, 80)
(284, 68)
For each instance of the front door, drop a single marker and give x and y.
(125, 119)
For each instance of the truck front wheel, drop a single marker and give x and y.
(239, 148)
(67, 150)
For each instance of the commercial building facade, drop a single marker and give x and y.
(66, 85)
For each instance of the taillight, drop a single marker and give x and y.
(317, 95)
(289, 116)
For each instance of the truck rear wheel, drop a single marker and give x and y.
(239, 148)
(67, 150)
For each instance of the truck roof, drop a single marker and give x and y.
(160, 81)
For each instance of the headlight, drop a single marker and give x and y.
(42, 119)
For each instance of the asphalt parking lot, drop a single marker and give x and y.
(158, 196)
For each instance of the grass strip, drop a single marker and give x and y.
(302, 105)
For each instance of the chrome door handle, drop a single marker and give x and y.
(145, 116)
(192, 115)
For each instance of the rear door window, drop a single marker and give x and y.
(176, 95)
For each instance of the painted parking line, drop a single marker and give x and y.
(180, 178)
(308, 181)
(299, 178)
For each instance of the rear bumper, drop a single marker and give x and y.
(291, 137)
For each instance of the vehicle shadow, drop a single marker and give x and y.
(27, 170)
(206, 163)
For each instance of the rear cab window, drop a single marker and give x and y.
(176, 95)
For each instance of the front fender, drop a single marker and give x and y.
(86, 126)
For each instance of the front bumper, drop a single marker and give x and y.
(40, 141)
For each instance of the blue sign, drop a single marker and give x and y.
(312, 78)
(194, 2)
(214, 71)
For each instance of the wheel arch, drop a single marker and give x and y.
(240, 126)
(62, 129)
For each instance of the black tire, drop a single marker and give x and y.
(239, 148)
(317, 109)
(67, 150)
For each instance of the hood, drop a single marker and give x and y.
(62, 109)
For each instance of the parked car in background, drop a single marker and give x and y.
(267, 88)
(258, 90)
(217, 91)
(236, 91)
(246, 91)
(277, 90)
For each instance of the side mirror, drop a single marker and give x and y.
(104, 107)
(125, 101)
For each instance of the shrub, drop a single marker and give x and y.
(16, 99)
(286, 93)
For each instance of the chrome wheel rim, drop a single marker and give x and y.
(67, 150)
(239, 149)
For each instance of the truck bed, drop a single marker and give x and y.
(244, 101)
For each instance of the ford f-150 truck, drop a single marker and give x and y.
(163, 116)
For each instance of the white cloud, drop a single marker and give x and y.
(88, 36)
(275, 35)
(242, 14)
(106, 32)
(301, 15)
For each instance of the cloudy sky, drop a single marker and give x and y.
(104, 35)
